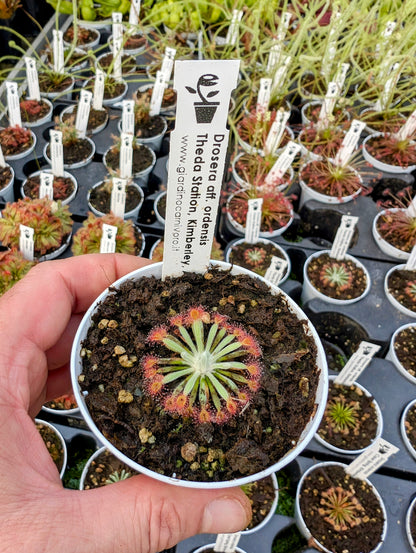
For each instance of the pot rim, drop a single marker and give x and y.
(408, 516)
(391, 298)
(392, 356)
(49, 170)
(382, 243)
(307, 434)
(70, 109)
(26, 152)
(77, 164)
(61, 438)
(128, 214)
(45, 118)
(381, 165)
(411, 450)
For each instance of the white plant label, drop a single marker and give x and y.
(276, 131)
(276, 271)
(371, 459)
(391, 82)
(83, 112)
(388, 31)
(227, 543)
(349, 143)
(284, 26)
(2, 160)
(198, 148)
(283, 162)
(273, 58)
(411, 208)
(331, 49)
(157, 94)
(411, 262)
(253, 220)
(341, 75)
(280, 74)
(46, 185)
(263, 97)
(126, 155)
(134, 12)
(13, 104)
(343, 237)
(118, 58)
(27, 242)
(98, 94)
(233, 29)
(167, 63)
(32, 79)
(57, 153)
(118, 197)
(127, 116)
(357, 363)
(117, 18)
(108, 239)
(58, 51)
(328, 105)
(408, 129)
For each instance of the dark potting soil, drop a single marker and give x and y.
(255, 257)
(63, 187)
(341, 280)
(102, 467)
(265, 430)
(161, 206)
(96, 118)
(362, 427)
(128, 63)
(5, 176)
(100, 198)
(148, 129)
(53, 444)
(169, 96)
(85, 35)
(135, 41)
(46, 84)
(261, 494)
(402, 286)
(405, 349)
(389, 188)
(76, 152)
(142, 159)
(316, 510)
(325, 143)
(410, 426)
(397, 158)
(32, 117)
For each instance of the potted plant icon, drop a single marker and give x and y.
(205, 109)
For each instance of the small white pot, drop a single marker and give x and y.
(369, 129)
(315, 103)
(244, 184)
(100, 24)
(210, 547)
(116, 99)
(7, 192)
(56, 253)
(63, 94)
(309, 292)
(143, 175)
(21, 155)
(271, 512)
(90, 45)
(155, 270)
(308, 193)
(66, 175)
(45, 119)
(392, 299)
(61, 439)
(87, 466)
(406, 440)
(380, 165)
(238, 241)
(128, 51)
(129, 214)
(408, 519)
(154, 142)
(163, 111)
(60, 412)
(70, 109)
(300, 523)
(241, 230)
(341, 451)
(384, 246)
(392, 356)
(159, 217)
(78, 164)
(249, 149)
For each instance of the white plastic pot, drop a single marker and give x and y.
(66, 175)
(392, 299)
(70, 109)
(380, 165)
(384, 246)
(21, 155)
(155, 270)
(392, 356)
(87, 466)
(309, 292)
(61, 439)
(271, 512)
(210, 547)
(249, 149)
(154, 142)
(159, 217)
(405, 438)
(7, 192)
(128, 51)
(78, 164)
(90, 45)
(63, 94)
(289, 175)
(143, 175)
(60, 412)
(115, 99)
(341, 451)
(315, 103)
(132, 214)
(300, 523)
(238, 241)
(408, 519)
(56, 253)
(45, 119)
(163, 111)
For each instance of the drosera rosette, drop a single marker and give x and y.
(13, 267)
(215, 371)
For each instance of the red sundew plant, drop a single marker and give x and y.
(255, 256)
(62, 187)
(336, 275)
(333, 180)
(31, 107)
(325, 142)
(340, 508)
(254, 168)
(276, 209)
(255, 126)
(398, 228)
(14, 140)
(204, 366)
(393, 151)
(13, 267)
(410, 290)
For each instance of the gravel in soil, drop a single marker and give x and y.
(97, 117)
(410, 426)
(402, 286)
(53, 444)
(5, 176)
(104, 466)
(405, 349)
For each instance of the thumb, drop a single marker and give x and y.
(143, 515)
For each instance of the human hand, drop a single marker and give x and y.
(38, 320)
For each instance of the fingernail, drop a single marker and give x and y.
(225, 515)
